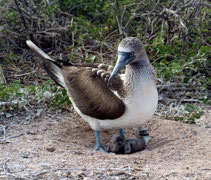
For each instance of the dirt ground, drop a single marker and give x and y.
(60, 146)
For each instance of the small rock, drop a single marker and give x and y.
(30, 132)
(25, 156)
(44, 129)
(78, 153)
(51, 149)
(8, 115)
(208, 126)
(39, 112)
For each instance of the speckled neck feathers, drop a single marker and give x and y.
(138, 71)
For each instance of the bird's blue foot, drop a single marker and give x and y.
(99, 146)
(100, 149)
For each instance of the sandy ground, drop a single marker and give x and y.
(47, 146)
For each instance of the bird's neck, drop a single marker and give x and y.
(139, 74)
(141, 69)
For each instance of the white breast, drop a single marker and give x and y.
(140, 106)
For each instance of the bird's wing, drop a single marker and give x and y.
(89, 90)
(87, 85)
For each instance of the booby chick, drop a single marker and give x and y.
(106, 99)
(120, 145)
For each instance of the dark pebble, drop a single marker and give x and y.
(25, 156)
(51, 149)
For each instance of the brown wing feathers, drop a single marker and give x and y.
(91, 95)
(87, 85)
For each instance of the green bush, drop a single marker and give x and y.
(175, 36)
(15, 95)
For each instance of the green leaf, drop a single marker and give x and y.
(205, 49)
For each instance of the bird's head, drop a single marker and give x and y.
(130, 50)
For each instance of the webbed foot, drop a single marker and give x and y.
(99, 146)
(100, 149)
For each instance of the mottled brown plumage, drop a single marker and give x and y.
(90, 92)
(87, 86)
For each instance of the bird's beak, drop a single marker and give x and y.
(121, 63)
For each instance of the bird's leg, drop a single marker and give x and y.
(121, 133)
(99, 146)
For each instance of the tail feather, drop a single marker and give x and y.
(38, 50)
(51, 66)
(54, 70)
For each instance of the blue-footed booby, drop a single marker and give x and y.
(102, 95)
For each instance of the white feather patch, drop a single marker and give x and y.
(99, 72)
(124, 49)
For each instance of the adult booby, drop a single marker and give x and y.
(106, 99)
